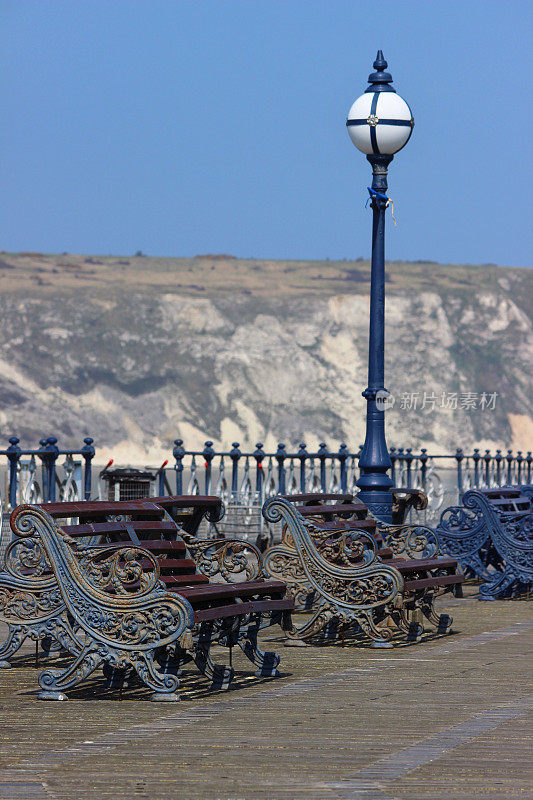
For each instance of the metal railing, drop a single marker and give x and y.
(245, 479)
(249, 478)
(23, 480)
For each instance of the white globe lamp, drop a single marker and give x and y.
(380, 122)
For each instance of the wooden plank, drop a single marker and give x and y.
(437, 580)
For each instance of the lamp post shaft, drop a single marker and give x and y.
(374, 483)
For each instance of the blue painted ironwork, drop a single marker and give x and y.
(259, 455)
(491, 544)
(13, 453)
(328, 470)
(208, 454)
(88, 453)
(178, 453)
(281, 455)
(235, 455)
(374, 483)
(423, 468)
(48, 453)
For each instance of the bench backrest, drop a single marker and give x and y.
(156, 524)
(508, 499)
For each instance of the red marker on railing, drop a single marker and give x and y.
(163, 465)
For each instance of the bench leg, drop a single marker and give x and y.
(266, 661)
(442, 622)
(412, 628)
(163, 684)
(219, 675)
(498, 586)
(16, 636)
(171, 659)
(380, 636)
(54, 681)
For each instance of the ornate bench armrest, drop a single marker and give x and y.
(231, 559)
(334, 562)
(108, 590)
(403, 500)
(410, 540)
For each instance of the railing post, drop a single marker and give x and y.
(179, 452)
(51, 458)
(303, 455)
(423, 467)
(259, 455)
(509, 459)
(87, 452)
(519, 459)
(459, 457)
(401, 460)
(322, 455)
(281, 455)
(487, 459)
(13, 454)
(408, 462)
(529, 459)
(44, 468)
(343, 458)
(208, 454)
(392, 453)
(161, 479)
(476, 459)
(498, 458)
(235, 455)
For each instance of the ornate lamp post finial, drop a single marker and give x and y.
(379, 80)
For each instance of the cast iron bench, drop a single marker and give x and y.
(357, 569)
(412, 548)
(128, 562)
(491, 535)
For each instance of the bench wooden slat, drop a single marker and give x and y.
(333, 510)
(240, 609)
(216, 591)
(314, 498)
(182, 566)
(181, 501)
(100, 508)
(185, 580)
(439, 580)
(103, 528)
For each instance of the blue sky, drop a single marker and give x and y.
(179, 128)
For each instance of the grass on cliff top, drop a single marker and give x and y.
(209, 275)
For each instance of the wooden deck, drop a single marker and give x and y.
(448, 718)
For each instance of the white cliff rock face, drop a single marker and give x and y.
(136, 369)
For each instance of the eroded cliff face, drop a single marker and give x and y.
(136, 359)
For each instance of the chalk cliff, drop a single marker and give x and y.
(138, 351)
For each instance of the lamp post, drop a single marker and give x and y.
(379, 124)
